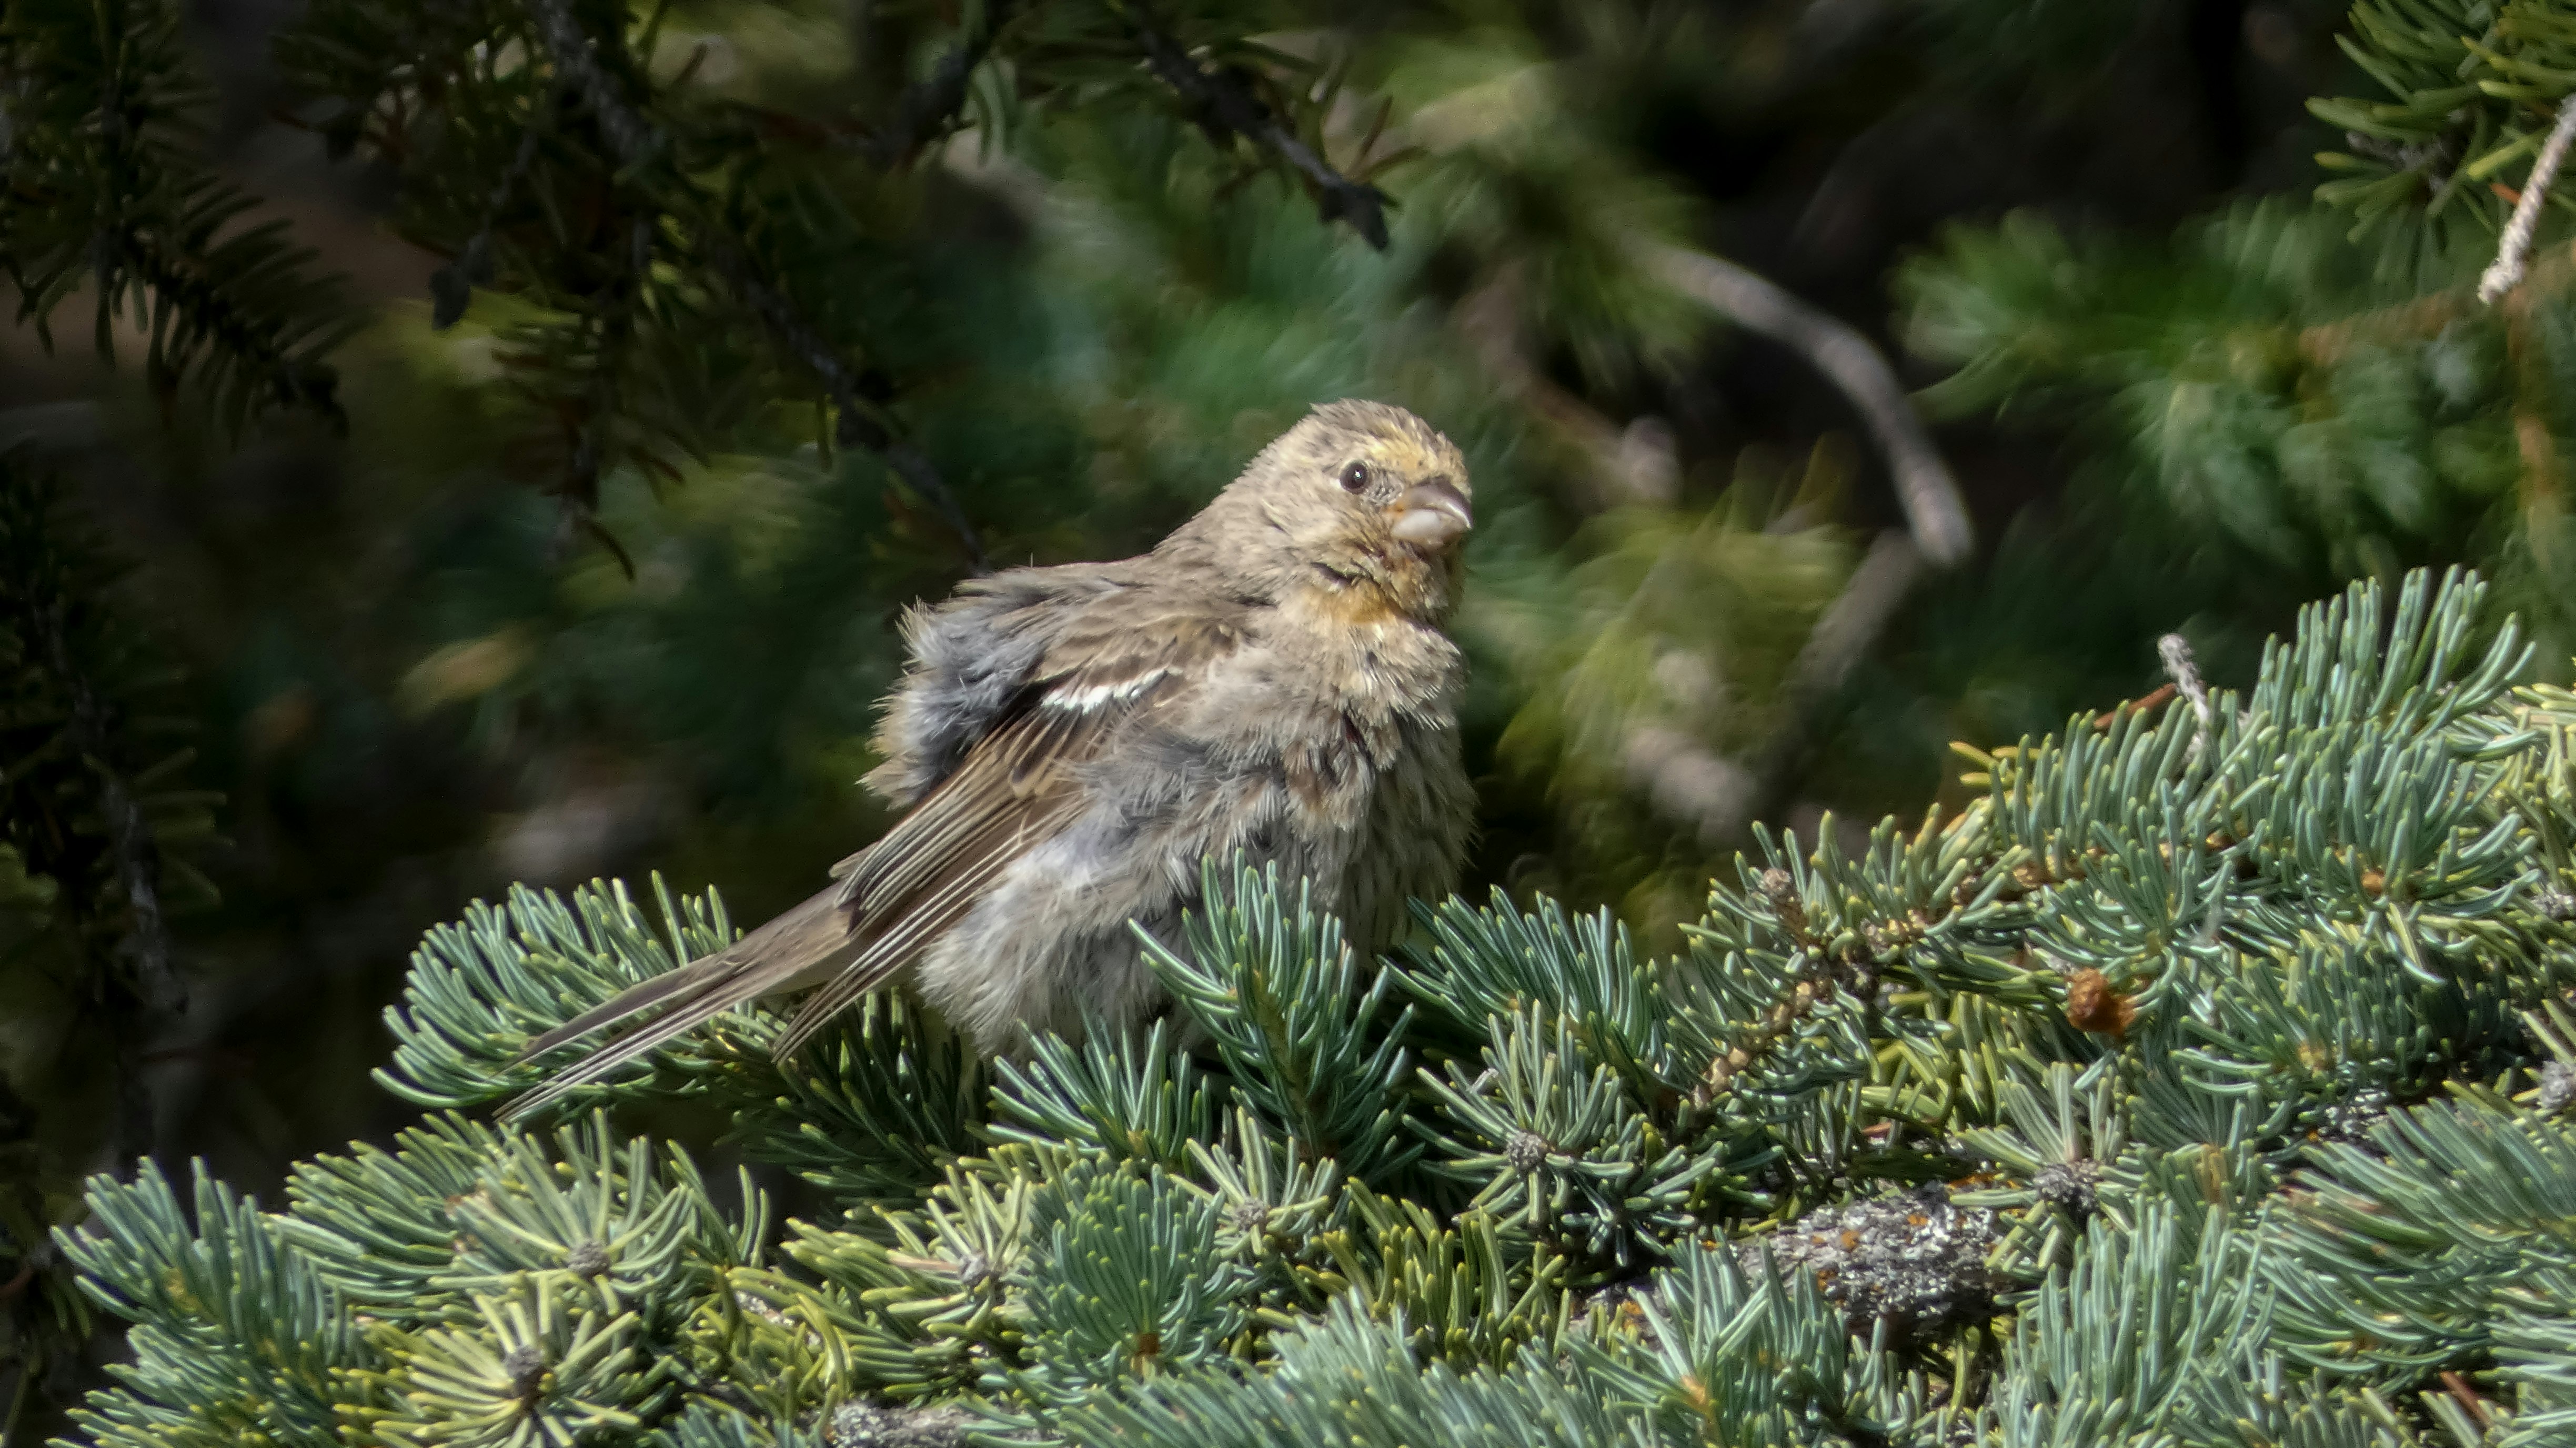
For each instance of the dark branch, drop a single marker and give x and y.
(631, 137)
(452, 286)
(929, 105)
(590, 423)
(1225, 107)
(856, 427)
(149, 985)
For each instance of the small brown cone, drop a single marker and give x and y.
(2091, 1005)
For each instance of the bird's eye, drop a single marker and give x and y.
(1355, 478)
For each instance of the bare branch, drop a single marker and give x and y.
(1868, 603)
(2176, 652)
(1688, 781)
(1933, 507)
(2513, 250)
(1629, 465)
(1717, 797)
(1226, 107)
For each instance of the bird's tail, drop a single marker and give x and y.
(812, 942)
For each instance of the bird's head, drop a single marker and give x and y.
(1360, 501)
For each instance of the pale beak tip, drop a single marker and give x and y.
(1433, 526)
(1432, 515)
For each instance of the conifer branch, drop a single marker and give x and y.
(209, 313)
(102, 186)
(633, 139)
(152, 986)
(1224, 105)
(929, 105)
(1620, 1193)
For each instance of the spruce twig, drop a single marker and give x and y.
(106, 185)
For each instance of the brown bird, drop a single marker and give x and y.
(1068, 744)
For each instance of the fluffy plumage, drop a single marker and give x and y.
(1069, 743)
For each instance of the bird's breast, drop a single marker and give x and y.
(1367, 657)
(1335, 705)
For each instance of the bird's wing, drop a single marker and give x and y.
(1016, 786)
(1019, 787)
(969, 663)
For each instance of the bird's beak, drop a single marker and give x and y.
(1432, 514)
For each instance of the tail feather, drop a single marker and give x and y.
(639, 997)
(810, 942)
(677, 1021)
(899, 942)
